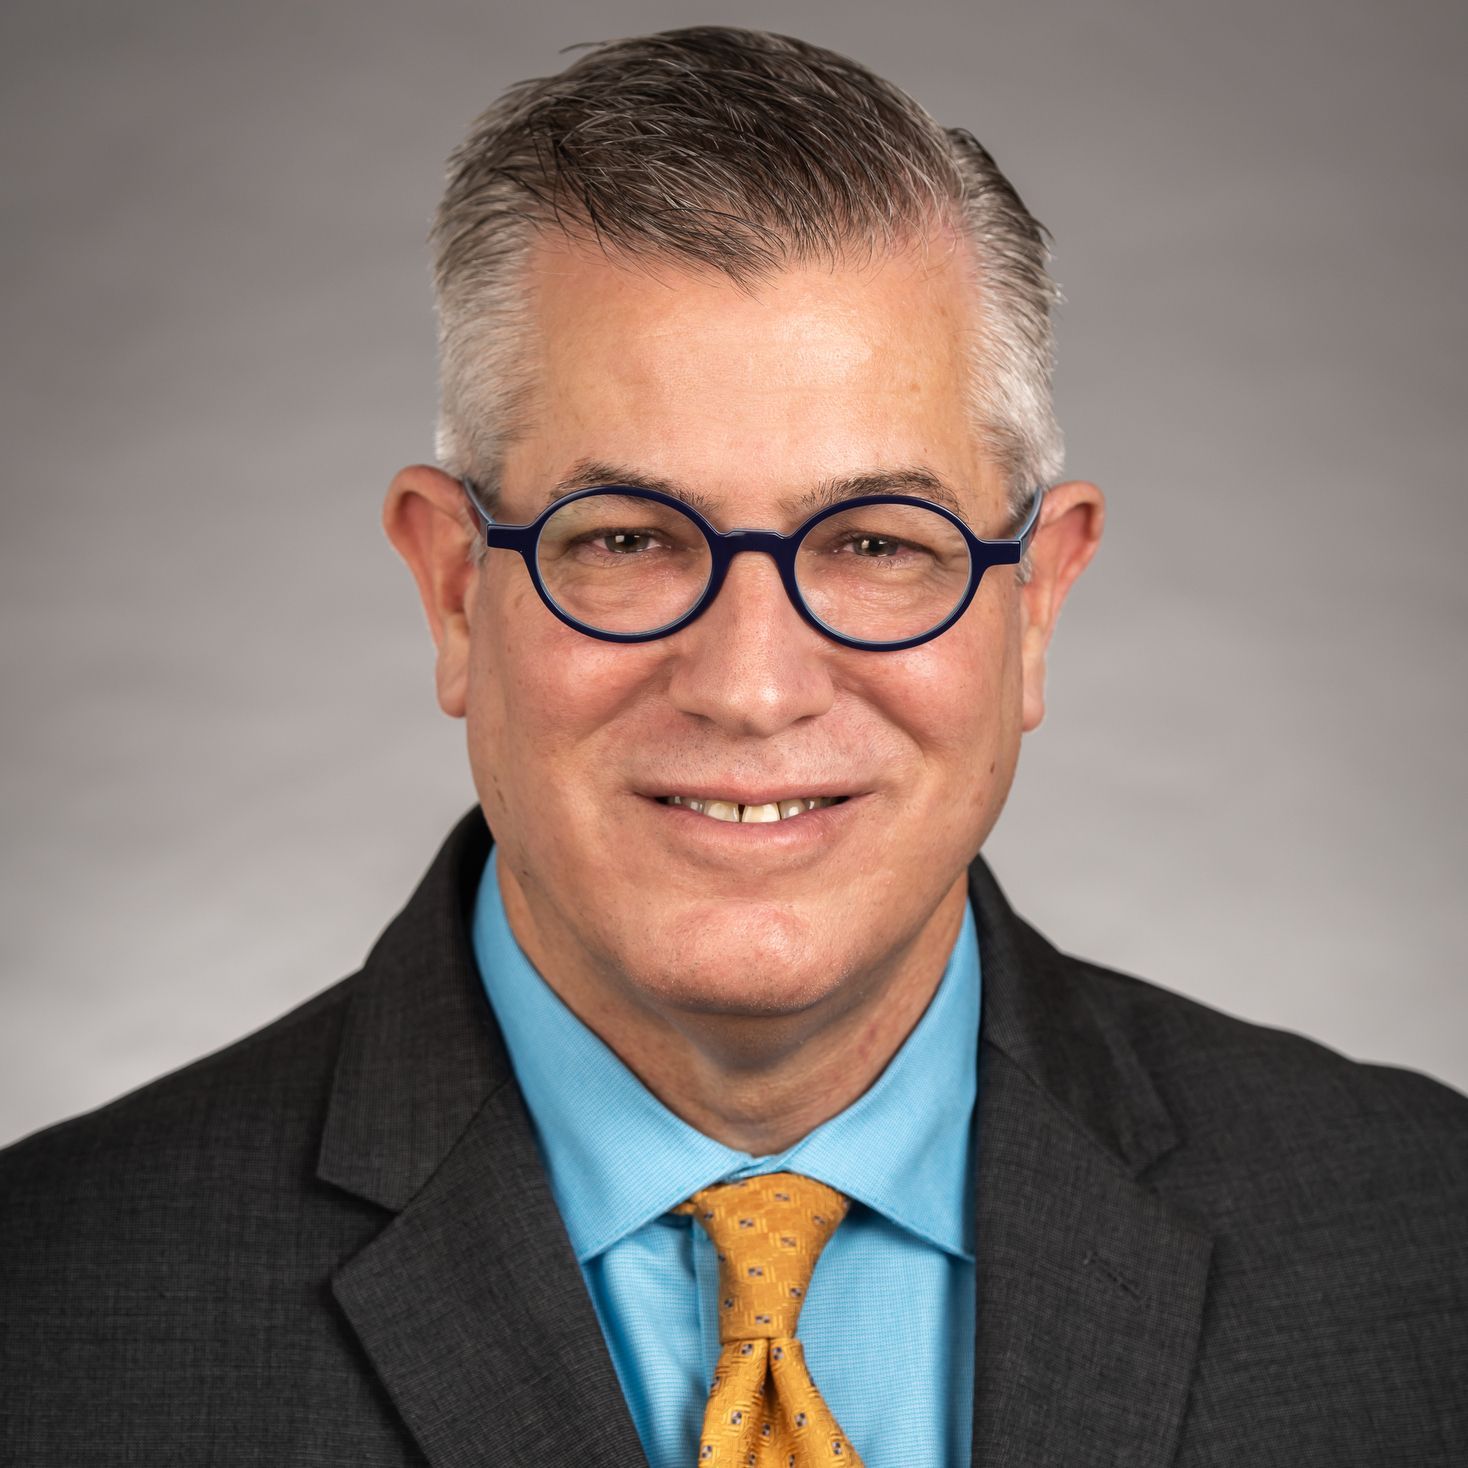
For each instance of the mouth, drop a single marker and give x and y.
(781, 808)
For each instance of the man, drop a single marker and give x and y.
(721, 1110)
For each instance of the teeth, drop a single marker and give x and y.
(756, 813)
(729, 810)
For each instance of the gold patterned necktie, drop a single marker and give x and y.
(763, 1408)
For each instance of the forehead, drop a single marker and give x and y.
(820, 371)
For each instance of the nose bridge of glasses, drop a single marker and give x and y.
(726, 545)
(729, 543)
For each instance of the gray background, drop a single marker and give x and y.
(224, 767)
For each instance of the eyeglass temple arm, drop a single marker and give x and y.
(507, 537)
(1021, 541)
(471, 493)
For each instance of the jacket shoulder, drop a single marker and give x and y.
(1304, 1164)
(1335, 1196)
(1251, 1085)
(242, 1117)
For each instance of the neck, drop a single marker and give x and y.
(755, 1082)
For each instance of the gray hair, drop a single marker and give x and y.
(742, 152)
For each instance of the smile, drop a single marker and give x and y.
(771, 810)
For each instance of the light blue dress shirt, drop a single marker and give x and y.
(888, 1325)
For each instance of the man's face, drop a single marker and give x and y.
(748, 400)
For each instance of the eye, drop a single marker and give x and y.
(874, 545)
(867, 545)
(620, 542)
(884, 540)
(626, 542)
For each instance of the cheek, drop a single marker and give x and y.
(959, 700)
(539, 693)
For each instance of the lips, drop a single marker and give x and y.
(781, 808)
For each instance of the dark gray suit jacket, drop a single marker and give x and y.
(1199, 1242)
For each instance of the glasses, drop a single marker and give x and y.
(878, 572)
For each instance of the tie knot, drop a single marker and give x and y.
(768, 1233)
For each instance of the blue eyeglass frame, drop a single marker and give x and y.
(724, 545)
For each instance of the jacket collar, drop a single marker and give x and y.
(1040, 1012)
(420, 1053)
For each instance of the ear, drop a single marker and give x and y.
(427, 520)
(1064, 541)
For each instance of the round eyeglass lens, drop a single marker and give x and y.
(620, 563)
(883, 573)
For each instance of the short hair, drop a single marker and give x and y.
(742, 152)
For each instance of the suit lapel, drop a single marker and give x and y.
(469, 1303)
(1090, 1286)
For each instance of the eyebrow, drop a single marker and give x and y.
(912, 480)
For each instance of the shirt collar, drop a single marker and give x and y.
(618, 1158)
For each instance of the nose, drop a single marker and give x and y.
(750, 664)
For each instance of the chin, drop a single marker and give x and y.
(742, 958)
